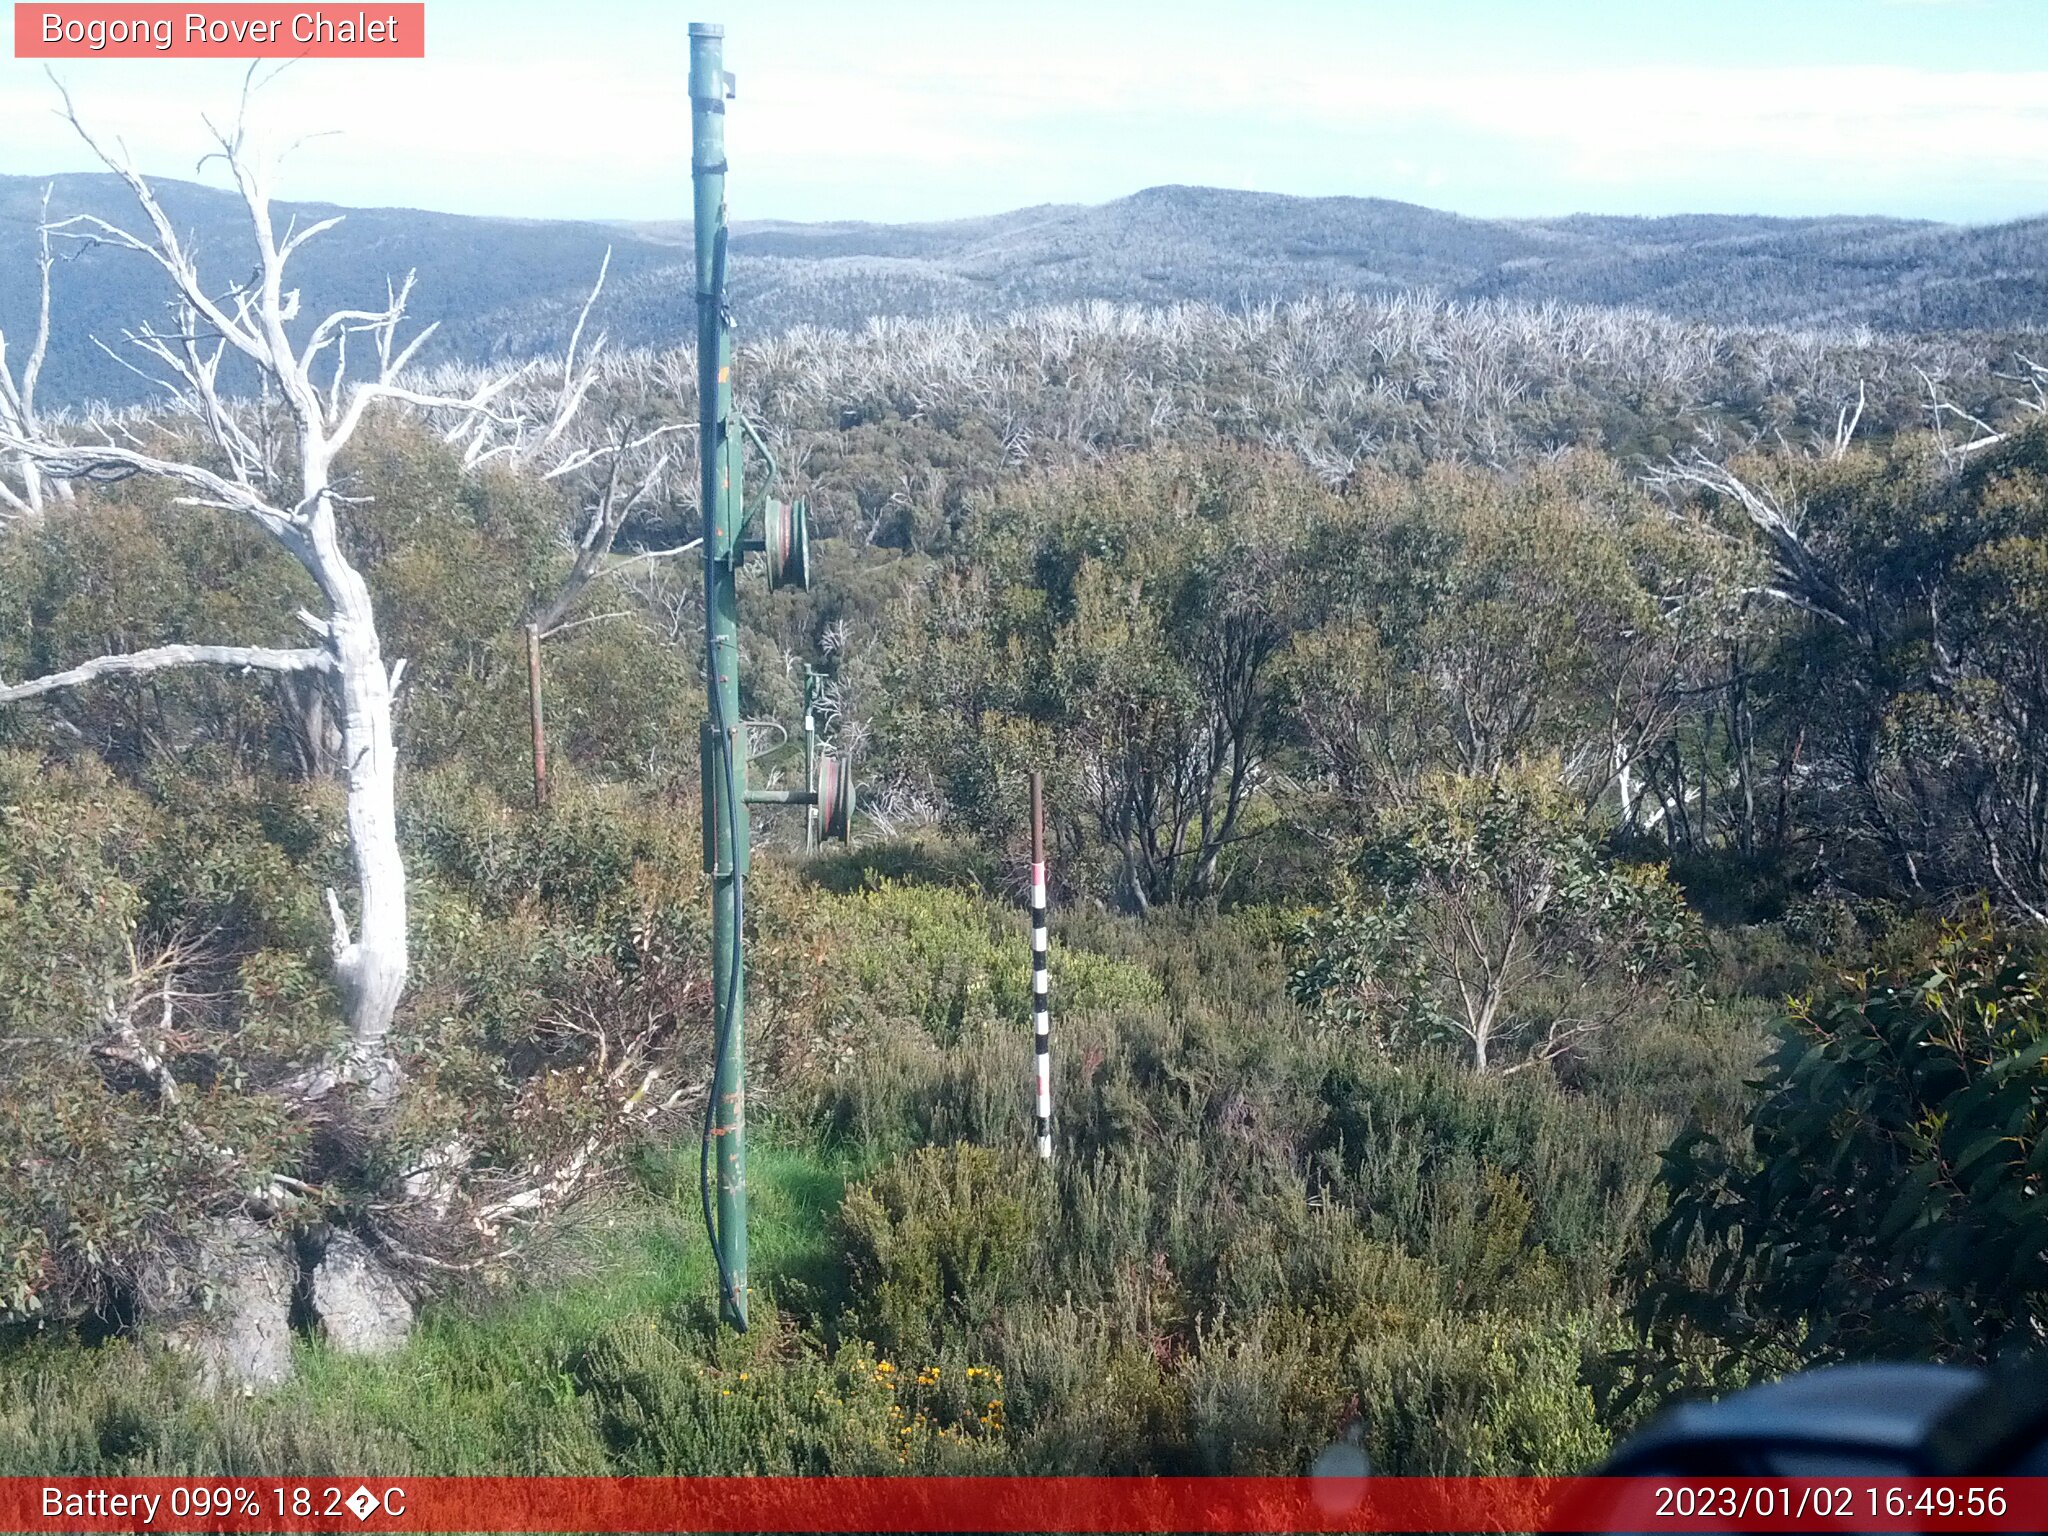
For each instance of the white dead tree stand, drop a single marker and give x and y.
(24, 497)
(286, 488)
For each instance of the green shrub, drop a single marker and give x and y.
(1889, 1200)
(135, 1040)
(938, 1239)
(1411, 1148)
(1260, 1402)
(1481, 1396)
(666, 1402)
(127, 1410)
(1482, 913)
(1085, 1397)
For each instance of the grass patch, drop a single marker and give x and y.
(484, 1387)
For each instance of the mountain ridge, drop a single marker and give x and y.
(504, 288)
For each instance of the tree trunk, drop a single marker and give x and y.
(372, 967)
(1482, 1031)
(1625, 786)
(315, 741)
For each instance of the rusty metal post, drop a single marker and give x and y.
(540, 733)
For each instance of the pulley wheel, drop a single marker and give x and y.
(787, 535)
(835, 798)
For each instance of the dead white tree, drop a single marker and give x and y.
(18, 395)
(1940, 410)
(611, 462)
(623, 473)
(593, 440)
(1803, 577)
(1845, 425)
(286, 488)
(2035, 377)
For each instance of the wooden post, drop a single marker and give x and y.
(540, 734)
(1041, 1015)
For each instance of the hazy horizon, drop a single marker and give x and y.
(630, 222)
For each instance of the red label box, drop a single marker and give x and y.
(741, 1505)
(235, 31)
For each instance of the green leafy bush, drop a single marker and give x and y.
(135, 1039)
(1484, 911)
(1889, 1201)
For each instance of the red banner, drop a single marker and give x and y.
(1004, 1504)
(238, 31)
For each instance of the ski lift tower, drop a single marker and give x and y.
(785, 541)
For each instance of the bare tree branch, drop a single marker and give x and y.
(1845, 425)
(1941, 409)
(631, 470)
(1808, 582)
(108, 461)
(592, 618)
(159, 658)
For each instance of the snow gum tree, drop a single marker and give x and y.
(268, 455)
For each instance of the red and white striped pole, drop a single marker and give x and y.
(1041, 1016)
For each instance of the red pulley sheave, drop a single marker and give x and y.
(835, 798)
(786, 533)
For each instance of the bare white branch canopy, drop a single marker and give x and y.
(281, 481)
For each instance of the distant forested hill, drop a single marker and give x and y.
(468, 267)
(509, 288)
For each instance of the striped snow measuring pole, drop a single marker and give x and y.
(1041, 1016)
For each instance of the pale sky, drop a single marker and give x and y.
(929, 109)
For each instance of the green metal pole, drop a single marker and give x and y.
(725, 815)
